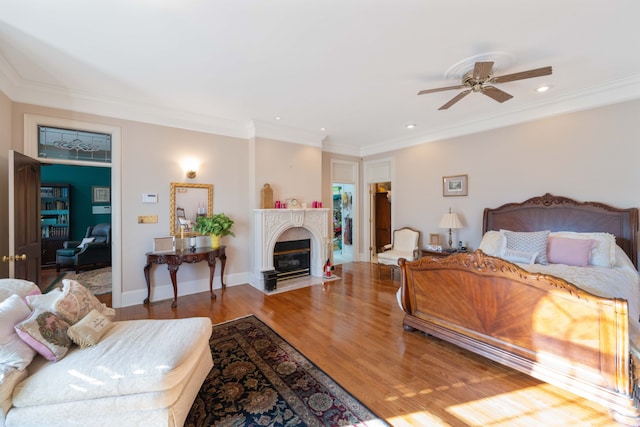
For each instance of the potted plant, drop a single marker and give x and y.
(216, 226)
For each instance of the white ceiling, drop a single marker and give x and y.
(353, 67)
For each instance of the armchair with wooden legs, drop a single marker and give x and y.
(405, 244)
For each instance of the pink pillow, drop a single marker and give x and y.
(576, 252)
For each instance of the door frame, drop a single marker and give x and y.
(378, 170)
(31, 123)
(347, 172)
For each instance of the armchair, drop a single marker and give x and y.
(405, 244)
(94, 249)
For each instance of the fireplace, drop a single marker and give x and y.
(292, 259)
(271, 224)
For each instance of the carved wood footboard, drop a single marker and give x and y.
(535, 323)
(538, 324)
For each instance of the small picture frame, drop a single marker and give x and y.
(100, 194)
(455, 185)
(164, 244)
(434, 239)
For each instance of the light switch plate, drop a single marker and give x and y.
(149, 198)
(147, 219)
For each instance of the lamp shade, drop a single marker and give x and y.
(450, 220)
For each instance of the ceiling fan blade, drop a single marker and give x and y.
(482, 70)
(440, 89)
(457, 98)
(497, 94)
(544, 71)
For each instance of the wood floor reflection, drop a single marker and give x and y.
(352, 329)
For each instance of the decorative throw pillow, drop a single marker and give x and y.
(604, 254)
(89, 329)
(85, 241)
(13, 351)
(73, 302)
(529, 241)
(521, 257)
(576, 252)
(44, 302)
(493, 243)
(46, 333)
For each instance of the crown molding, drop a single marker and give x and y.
(19, 90)
(614, 92)
(262, 129)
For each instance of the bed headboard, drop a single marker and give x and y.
(555, 213)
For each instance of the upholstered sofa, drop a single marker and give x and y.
(122, 373)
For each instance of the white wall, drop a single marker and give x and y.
(590, 155)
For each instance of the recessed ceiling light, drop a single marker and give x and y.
(543, 88)
(277, 117)
(410, 126)
(323, 129)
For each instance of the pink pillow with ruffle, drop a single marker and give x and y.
(575, 252)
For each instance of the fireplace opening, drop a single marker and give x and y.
(292, 259)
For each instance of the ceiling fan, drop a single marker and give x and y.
(481, 78)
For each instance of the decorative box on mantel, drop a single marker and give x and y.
(269, 224)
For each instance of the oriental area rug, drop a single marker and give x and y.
(97, 281)
(259, 379)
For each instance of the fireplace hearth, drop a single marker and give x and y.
(292, 259)
(274, 225)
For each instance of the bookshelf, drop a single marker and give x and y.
(54, 219)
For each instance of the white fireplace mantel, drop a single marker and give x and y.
(269, 224)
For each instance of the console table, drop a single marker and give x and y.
(176, 258)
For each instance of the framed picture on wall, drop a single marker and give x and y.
(455, 185)
(100, 194)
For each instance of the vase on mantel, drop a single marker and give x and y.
(215, 241)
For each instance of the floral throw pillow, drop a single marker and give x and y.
(76, 302)
(46, 333)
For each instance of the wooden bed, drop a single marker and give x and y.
(536, 323)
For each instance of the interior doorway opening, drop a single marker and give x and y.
(343, 222)
(380, 216)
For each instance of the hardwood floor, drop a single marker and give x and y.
(352, 329)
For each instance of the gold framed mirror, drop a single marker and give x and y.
(187, 203)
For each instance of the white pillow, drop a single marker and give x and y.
(521, 257)
(44, 301)
(604, 254)
(85, 241)
(13, 351)
(529, 241)
(88, 331)
(493, 243)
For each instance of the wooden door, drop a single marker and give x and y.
(383, 220)
(24, 217)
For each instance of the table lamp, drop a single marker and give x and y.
(450, 221)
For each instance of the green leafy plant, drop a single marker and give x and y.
(216, 224)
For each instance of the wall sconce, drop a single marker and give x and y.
(190, 167)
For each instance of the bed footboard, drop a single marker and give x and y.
(538, 324)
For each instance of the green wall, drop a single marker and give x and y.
(81, 179)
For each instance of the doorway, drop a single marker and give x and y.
(343, 222)
(381, 214)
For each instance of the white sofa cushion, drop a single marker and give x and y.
(136, 356)
(20, 287)
(13, 351)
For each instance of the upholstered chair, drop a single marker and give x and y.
(95, 249)
(405, 244)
